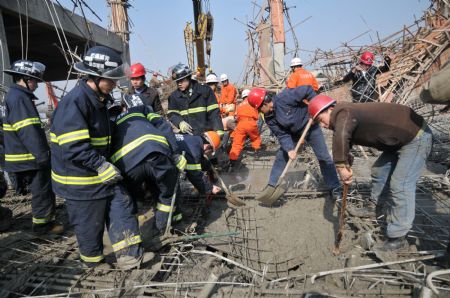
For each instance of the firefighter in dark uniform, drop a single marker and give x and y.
(27, 154)
(5, 213)
(193, 106)
(81, 174)
(140, 93)
(145, 150)
(195, 148)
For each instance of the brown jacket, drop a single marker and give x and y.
(384, 126)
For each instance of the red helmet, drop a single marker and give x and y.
(367, 58)
(256, 97)
(137, 70)
(318, 104)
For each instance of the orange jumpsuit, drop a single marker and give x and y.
(302, 77)
(228, 96)
(247, 124)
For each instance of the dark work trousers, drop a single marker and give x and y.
(159, 172)
(42, 196)
(89, 218)
(316, 139)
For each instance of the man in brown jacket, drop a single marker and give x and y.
(405, 141)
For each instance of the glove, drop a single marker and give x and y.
(109, 173)
(180, 162)
(231, 124)
(230, 108)
(185, 127)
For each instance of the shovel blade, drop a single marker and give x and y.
(233, 199)
(277, 193)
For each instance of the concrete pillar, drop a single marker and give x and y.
(5, 79)
(277, 19)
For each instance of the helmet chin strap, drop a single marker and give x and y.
(99, 91)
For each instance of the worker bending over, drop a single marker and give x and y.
(193, 106)
(286, 114)
(405, 140)
(196, 148)
(145, 150)
(27, 154)
(140, 93)
(81, 174)
(247, 125)
(300, 76)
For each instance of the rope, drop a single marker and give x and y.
(26, 18)
(62, 30)
(57, 31)
(20, 22)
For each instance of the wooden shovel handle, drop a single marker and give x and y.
(300, 142)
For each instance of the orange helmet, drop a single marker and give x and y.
(137, 70)
(367, 58)
(213, 138)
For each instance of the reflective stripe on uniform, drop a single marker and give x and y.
(177, 217)
(79, 180)
(131, 115)
(19, 157)
(182, 163)
(212, 107)
(152, 116)
(40, 221)
(190, 111)
(173, 111)
(91, 259)
(220, 132)
(194, 167)
(127, 242)
(163, 207)
(136, 143)
(102, 141)
(70, 136)
(21, 124)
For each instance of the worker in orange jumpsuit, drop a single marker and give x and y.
(227, 100)
(300, 76)
(212, 81)
(247, 125)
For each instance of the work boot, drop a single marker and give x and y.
(234, 166)
(129, 262)
(5, 219)
(394, 244)
(50, 228)
(96, 265)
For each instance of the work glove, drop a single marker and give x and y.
(109, 173)
(185, 127)
(180, 162)
(230, 108)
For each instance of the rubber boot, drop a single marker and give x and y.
(394, 244)
(5, 219)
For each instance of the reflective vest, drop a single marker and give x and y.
(26, 146)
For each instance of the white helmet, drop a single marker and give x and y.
(245, 93)
(296, 62)
(223, 77)
(211, 78)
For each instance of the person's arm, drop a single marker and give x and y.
(344, 127)
(349, 76)
(303, 92)
(162, 125)
(25, 122)
(212, 109)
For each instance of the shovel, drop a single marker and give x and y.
(232, 198)
(341, 221)
(280, 189)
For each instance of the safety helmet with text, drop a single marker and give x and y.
(103, 62)
(319, 104)
(27, 68)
